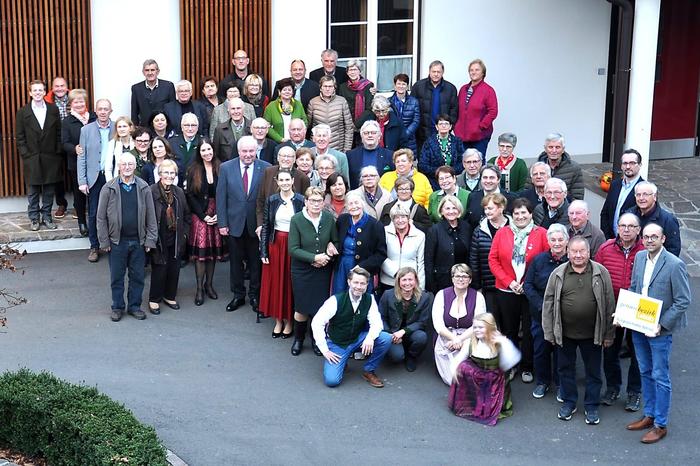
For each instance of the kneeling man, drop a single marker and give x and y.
(340, 328)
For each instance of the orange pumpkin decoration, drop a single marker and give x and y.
(605, 181)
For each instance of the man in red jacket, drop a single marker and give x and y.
(617, 255)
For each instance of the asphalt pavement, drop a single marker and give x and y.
(220, 391)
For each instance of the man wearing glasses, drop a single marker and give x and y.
(186, 144)
(184, 104)
(555, 208)
(127, 230)
(240, 62)
(369, 153)
(663, 276)
(620, 198)
(649, 211)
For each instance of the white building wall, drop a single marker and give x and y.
(306, 41)
(124, 34)
(542, 58)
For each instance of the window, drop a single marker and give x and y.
(382, 34)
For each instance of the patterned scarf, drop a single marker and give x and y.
(520, 236)
(82, 118)
(285, 109)
(166, 193)
(445, 149)
(358, 87)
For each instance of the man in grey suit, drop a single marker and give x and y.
(658, 274)
(236, 197)
(93, 156)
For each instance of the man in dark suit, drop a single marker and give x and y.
(150, 95)
(658, 274)
(297, 137)
(182, 104)
(236, 197)
(266, 146)
(490, 182)
(186, 143)
(39, 146)
(229, 132)
(304, 89)
(240, 62)
(369, 153)
(329, 58)
(620, 197)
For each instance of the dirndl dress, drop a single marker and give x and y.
(276, 299)
(204, 242)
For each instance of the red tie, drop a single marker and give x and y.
(245, 180)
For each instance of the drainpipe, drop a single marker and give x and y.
(621, 81)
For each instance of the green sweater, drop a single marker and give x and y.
(305, 243)
(274, 117)
(514, 179)
(436, 197)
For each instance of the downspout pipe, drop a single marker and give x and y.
(621, 82)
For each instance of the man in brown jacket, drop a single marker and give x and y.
(577, 313)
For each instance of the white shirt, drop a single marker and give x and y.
(457, 309)
(327, 312)
(39, 110)
(649, 270)
(283, 216)
(250, 173)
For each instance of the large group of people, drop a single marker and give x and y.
(374, 220)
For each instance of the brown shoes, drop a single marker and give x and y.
(372, 379)
(60, 212)
(642, 424)
(94, 255)
(654, 435)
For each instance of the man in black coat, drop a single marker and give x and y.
(304, 89)
(446, 102)
(240, 62)
(150, 95)
(329, 58)
(182, 104)
(39, 146)
(620, 197)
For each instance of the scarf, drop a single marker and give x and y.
(382, 126)
(508, 162)
(166, 193)
(358, 87)
(520, 241)
(445, 148)
(435, 103)
(284, 108)
(82, 118)
(398, 105)
(355, 228)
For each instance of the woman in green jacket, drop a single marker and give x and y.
(280, 111)
(513, 170)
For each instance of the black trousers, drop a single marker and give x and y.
(79, 199)
(240, 248)
(35, 192)
(513, 315)
(165, 277)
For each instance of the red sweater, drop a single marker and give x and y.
(611, 256)
(475, 121)
(501, 254)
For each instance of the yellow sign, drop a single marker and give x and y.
(637, 312)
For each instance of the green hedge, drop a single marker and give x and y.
(70, 424)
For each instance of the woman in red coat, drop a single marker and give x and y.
(513, 247)
(477, 108)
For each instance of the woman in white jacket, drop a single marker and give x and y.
(405, 245)
(121, 142)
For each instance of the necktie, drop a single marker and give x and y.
(245, 180)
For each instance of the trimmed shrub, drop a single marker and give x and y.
(72, 424)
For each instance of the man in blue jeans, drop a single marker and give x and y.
(127, 230)
(340, 329)
(658, 274)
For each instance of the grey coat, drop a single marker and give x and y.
(109, 214)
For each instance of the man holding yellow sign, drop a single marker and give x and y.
(662, 280)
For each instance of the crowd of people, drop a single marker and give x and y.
(374, 220)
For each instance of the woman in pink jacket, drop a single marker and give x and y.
(477, 108)
(513, 248)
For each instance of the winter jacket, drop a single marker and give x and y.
(541, 215)
(569, 171)
(667, 221)
(536, 279)
(431, 157)
(410, 253)
(475, 121)
(422, 191)
(336, 114)
(410, 117)
(393, 130)
(422, 90)
(418, 215)
(611, 256)
(501, 254)
(482, 277)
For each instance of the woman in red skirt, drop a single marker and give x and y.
(276, 285)
(205, 245)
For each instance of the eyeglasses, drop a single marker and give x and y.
(445, 178)
(443, 123)
(190, 125)
(142, 141)
(315, 200)
(505, 146)
(472, 162)
(403, 189)
(553, 193)
(643, 194)
(240, 58)
(653, 238)
(624, 164)
(368, 176)
(370, 133)
(461, 277)
(627, 227)
(168, 173)
(285, 156)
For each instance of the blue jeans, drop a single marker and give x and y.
(591, 355)
(481, 145)
(545, 356)
(653, 356)
(413, 344)
(613, 370)
(333, 373)
(93, 200)
(127, 255)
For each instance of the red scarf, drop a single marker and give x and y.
(382, 124)
(358, 87)
(501, 164)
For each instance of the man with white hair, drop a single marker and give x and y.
(540, 172)
(229, 132)
(649, 211)
(555, 208)
(322, 136)
(266, 146)
(369, 153)
(185, 144)
(297, 136)
(579, 225)
(329, 60)
(562, 165)
(472, 163)
(183, 104)
(374, 198)
(127, 230)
